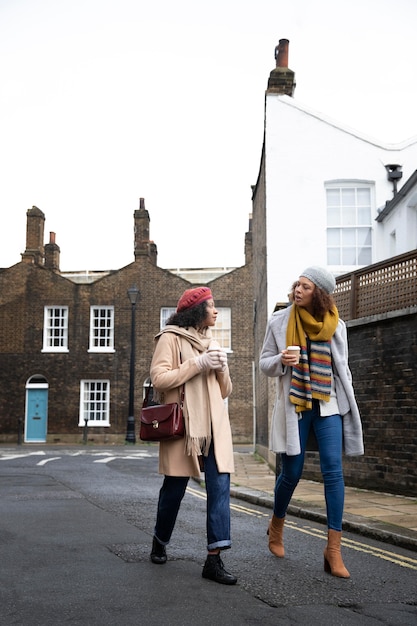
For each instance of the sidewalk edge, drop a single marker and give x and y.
(387, 534)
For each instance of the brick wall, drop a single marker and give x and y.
(383, 360)
(260, 307)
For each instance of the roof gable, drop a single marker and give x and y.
(409, 186)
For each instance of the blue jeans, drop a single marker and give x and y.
(218, 505)
(328, 431)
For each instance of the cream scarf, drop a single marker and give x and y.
(199, 390)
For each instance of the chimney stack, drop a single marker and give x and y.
(143, 245)
(35, 222)
(52, 254)
(281, 79)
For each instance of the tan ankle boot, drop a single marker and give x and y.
(333, 562)
(275, 532)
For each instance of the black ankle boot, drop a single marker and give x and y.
(214, 570)
(159, 553)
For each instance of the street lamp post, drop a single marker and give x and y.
(133, 295)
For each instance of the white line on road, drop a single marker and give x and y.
(45, 461)
(11, 457)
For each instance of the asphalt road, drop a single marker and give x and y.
(75, 534)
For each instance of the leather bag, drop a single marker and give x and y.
(159, 422)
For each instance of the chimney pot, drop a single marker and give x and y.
(281, 53)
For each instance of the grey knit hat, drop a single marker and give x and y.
(320, 277)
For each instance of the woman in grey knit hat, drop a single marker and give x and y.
(314, 395)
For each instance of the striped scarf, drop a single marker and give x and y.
(311, 378)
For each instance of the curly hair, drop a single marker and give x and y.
(193, 317)
(321, 303)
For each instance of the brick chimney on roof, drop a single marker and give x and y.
(282, 79)
(35, 222)
(143, 245)
(52, 254)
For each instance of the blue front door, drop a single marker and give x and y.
(36, 414)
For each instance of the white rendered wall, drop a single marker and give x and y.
(399, 232)
(303, 151)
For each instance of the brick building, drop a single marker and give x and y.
(65, 339)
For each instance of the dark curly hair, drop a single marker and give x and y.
(322, 302)
(193, 317)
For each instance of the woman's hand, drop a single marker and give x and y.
(289, 359)
(212, 360)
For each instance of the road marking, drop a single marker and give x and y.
(380, 553)
(45, 461)
(387, 555)
(131, 457)
(248, 511)
(197, 494)
(106, 456)
(236, 507)
(11, 457)
(101, 454)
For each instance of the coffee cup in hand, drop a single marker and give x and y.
(216, 350)
(294, 350)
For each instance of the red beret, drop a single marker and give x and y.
(192, 297)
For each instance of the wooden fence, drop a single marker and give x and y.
(379, 288)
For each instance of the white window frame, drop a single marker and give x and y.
(55, 328)
(101, 329)
(94, 401)
(341, 228)
(222, 331)
(165, 313)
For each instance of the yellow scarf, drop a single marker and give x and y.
(302, 323)
(311, 378)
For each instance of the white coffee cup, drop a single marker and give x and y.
(294, 350)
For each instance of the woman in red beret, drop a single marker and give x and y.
(185, 354)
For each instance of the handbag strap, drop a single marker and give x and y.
(145, 402)
(182, 396)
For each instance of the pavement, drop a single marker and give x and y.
(383, 516)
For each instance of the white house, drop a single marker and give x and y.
(325, 195)
(397, 221)
(324, 189)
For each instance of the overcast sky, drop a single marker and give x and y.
(106, 101)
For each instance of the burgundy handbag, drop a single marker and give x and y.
(159, 422)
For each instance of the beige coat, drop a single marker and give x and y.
(167, 375)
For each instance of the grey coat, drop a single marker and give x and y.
(284, 435)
